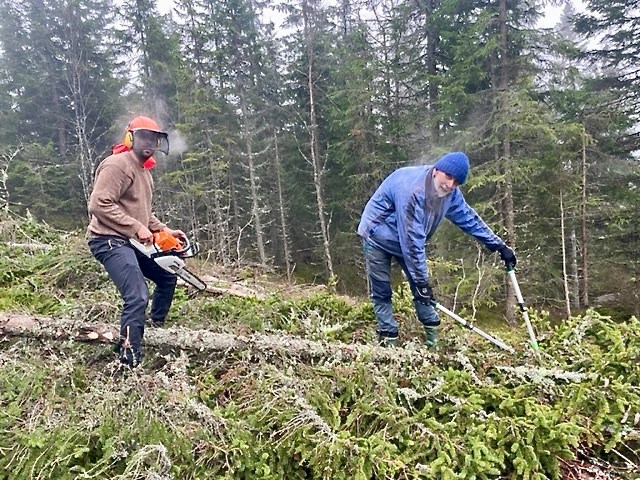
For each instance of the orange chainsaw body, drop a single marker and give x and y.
(166, 242)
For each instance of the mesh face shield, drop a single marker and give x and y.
(144, 139)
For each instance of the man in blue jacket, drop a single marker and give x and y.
(403, 213)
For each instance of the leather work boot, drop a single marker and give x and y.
(431, 337)
(129, 356)
(153, 323)
(386, 341)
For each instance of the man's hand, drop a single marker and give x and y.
(144, 235)
(508, 256)
(424, 293)
(175, 233)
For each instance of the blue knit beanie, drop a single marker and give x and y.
(455, 164)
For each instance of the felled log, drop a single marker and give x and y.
(207, 342)
(271, 347)
(21, 325)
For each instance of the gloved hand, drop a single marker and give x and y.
(508, 256)
(424, 293)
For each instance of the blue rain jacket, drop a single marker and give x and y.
(397, 218)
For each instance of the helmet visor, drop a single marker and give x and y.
(144, 139)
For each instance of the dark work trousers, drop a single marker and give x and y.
(127, 267)
(378, 263)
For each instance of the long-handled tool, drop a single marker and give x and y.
(169, 253)
(532, 336)
(464, 323)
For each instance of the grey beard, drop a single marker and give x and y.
(432, 197)
(435, 191)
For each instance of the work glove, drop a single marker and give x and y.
(508, 256)
(424, 293)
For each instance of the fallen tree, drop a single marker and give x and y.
(206, 342)
(281, 345)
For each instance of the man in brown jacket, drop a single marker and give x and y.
(120, 208)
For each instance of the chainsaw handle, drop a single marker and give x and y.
(185, 247)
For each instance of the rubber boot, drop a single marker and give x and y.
(387, 341)
(431, 337)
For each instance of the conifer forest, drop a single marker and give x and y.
(283, 118)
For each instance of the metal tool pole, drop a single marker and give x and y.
(459, 319)
(523, 309)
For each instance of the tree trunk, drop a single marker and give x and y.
(583, 215)
(85, 153)
(60, 124)
(236, 223)
(219, 214)
(208, 343)
(248, 129)
(433, 39)
(317, 161)
(5, 163)
(575, 278)
(283, 216)
(278, 347)
(565, 278)
(507, 203)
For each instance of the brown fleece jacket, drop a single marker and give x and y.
(122, 197)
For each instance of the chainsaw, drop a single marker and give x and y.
(169, 252)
